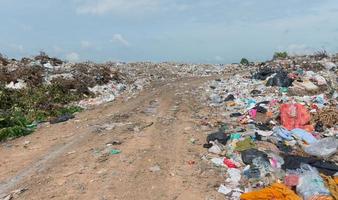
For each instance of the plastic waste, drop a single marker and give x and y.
(294, 116)
(263, 73)
(281, 79)
(310, 183)
(230, 97)
(220, 136)
(253, 113)
(323, 148)
(217, 161)
(255, 92)
(291, 178)
(215, 98)
(115, 151)
(303, 135)
(235, 136)
(224, 190)
(319, 127)
(216, 148)
(62, 118)
(262, 165)
(235, 114)
(234, 176)
(252, 172)
(276, 161)
(229, 163)
(250, 154)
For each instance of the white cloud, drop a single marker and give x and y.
(73, 57)
(99, 7)
(85, 44)
(118, 38)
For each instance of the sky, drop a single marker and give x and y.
(195, 31)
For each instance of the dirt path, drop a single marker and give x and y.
(161, 151)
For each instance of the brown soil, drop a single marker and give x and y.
(71, 160)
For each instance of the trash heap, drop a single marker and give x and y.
(43, 88)
(277, 132)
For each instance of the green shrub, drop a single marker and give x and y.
(245, 62)
(21, 109)
(280, 55)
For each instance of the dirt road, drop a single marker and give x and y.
(161, 151)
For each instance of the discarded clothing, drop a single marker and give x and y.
(244, 145)
(250, 154)
(294, 162)
(266, 146)
(282, 132)
(276, 191)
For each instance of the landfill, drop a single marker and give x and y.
(276, 130)
(274, 123)
(43, 88)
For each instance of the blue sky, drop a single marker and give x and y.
(199, 31)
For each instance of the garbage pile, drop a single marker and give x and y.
(277, 132)
(43, 88)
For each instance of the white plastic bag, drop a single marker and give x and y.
(323, 148)
(310, 183)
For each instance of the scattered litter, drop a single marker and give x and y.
(115, 151)
(155, 168)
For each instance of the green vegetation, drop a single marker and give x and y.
(280, 55)
(21, 110)
(244, 62)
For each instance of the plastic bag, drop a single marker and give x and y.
(220, 136)
(282, 132)
(294, 116)
(323, 148)
(291, 178)
(281, 79)
(310, 183)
